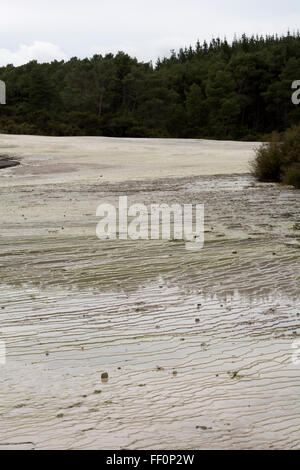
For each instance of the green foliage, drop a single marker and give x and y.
(279, 160)
(218, 90)
(292, 177)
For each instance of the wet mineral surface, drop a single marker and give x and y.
(122, 344)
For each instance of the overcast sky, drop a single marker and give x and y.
(59, 29)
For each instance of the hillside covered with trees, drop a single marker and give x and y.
(219, 90)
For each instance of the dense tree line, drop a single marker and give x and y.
(240, 90)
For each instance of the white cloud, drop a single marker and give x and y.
(38, 50)
(140, 27)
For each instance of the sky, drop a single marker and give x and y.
(45, 30)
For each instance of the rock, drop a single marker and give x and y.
(104, 377)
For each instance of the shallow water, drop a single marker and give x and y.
(6, 162)
(227, 381)
(197, 345)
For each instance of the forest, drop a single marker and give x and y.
(239, 90)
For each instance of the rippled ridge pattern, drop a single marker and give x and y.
(197, 345)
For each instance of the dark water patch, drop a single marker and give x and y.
(7, 162)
